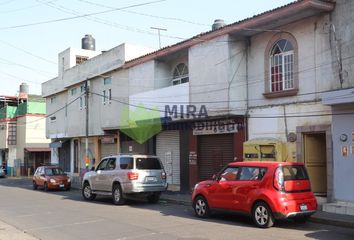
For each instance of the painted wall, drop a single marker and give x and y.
(313, 39)
(209, 70)
(342, 29)
(343, 164)
(157, 99)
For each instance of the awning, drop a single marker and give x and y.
(37, 149)
(341, 96)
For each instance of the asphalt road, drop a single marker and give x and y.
(64, 215)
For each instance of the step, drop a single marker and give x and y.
(339, 207)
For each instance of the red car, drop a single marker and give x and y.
(264, 190)
(51, 177)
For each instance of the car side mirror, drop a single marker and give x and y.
(92, 168)
(214, 177)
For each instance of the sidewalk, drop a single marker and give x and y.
(333, 219)
(8, 232)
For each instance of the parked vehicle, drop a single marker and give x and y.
(125, 175)
(266, 191)
(2, 172)
(51, 177)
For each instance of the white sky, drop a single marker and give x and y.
(29, 53)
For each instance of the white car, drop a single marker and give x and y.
(125, 175)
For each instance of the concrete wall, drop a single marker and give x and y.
(314, 59)
(343, 165)
(209, 73)
(342, 29)
(58, 128)
(97, 65)
(3, 135)
(157, 99)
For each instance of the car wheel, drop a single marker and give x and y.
(154, 198)
(302, 219)
(201, 207)
(262, 215)
(117, 195)
(45, 187)
(34, 185)
(87, 192)
(68, 189)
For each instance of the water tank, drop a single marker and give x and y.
(88, 42)
(218, 23)
(24, 88)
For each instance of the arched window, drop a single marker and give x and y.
(180, 74)
(281, 63)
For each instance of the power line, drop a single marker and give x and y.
(27, 52)
(24, 8)
(145, 14)
(80, 16)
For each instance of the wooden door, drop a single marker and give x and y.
(315, 161)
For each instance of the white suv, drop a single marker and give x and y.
(124, 175)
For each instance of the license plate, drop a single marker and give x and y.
(151, 179)
(61, 185)
(303, 207)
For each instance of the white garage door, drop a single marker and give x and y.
(167, 149)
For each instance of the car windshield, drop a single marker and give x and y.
(148, 163)
(53, 171)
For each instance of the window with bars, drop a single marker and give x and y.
(11, 139)
(83, 101)
(281, 66)
(107, 96)
(180, 74)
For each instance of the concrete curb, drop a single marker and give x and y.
(331, 222)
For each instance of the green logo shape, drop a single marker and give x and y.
(141, 124)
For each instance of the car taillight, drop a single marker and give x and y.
(133, 175)
(163, 175)
(279, 179)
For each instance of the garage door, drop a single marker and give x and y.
(108, 149)
(167, 149)
(214, 152)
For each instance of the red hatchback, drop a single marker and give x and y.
(51, 177)
(264, 190)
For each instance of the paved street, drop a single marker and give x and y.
(64, 215)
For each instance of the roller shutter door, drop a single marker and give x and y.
(214, 152)
(108, 149)
(168, 150)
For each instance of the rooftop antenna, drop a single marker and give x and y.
(158, 32)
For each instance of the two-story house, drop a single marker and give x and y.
(72, 116)
(266, 77)
(23, 145)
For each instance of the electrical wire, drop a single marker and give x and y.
(75, 17)
(145, 14)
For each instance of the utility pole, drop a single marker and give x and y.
(158, 32)
(87, 162)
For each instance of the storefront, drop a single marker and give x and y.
(213, 144)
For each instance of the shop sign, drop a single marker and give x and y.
(216, 127)
(107, 140)
(192, 158)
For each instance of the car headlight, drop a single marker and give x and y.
(52, 180)
(195, 186)
(69, 180)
